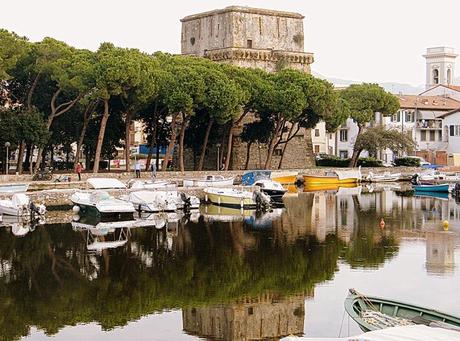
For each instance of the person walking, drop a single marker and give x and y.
(78, 170)
(137, 167)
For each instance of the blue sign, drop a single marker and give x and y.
(144, 149)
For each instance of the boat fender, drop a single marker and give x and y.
(76, 208)
(445, 225)
(382, 223)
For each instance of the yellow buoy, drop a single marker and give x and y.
(445, 225)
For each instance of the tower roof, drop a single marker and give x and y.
(440, 51)
(243, 9)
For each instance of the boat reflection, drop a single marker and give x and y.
(21, 225)
(235, 274)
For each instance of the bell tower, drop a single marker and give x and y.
(440, 66)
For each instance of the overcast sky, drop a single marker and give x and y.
(364, 40)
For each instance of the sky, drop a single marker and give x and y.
(362, 40)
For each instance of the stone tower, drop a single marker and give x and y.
(255, 38)
(249, 37)
(440, 66)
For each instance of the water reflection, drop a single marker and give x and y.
(235, 275)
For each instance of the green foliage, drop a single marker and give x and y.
(335, 161)
(364, 100)
(378, 138)
(369, 162)
(407, 162)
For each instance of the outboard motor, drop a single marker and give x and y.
(37, 209)
(186, 199)
(456, 191)
(263, 201)
(415, 180)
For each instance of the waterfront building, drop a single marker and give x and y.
(255, 38)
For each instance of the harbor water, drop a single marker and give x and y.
(223, 273)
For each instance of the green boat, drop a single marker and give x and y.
(373, 313)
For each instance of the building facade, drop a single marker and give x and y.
(254, 38)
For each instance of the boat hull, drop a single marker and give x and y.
(285, 179)
(13, 188)
(356, 304)
(444, 188)
(230, 200)
(327, 180)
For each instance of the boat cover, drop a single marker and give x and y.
(405, 333)
(106, 183)
(355, 174)
(20, 199)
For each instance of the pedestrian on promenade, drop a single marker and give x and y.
(78, 170)
(153, 169)
(137, 167)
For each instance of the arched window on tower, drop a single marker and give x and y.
(435, 76)
(449, 76)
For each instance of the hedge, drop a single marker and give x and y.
(334, 161)
(408, 162)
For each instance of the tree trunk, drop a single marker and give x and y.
(31, 91)
(229, 147)
(39, 160)
(356, 152)
(170, 149)
(82, 135)
(181, 143)
(273, 142)
(285, 146)
(19, 167)
(127, 140)
(100, 138)
(149, 155)
(205, 144)
(248, 155)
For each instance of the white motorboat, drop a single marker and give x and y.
(153, 201)
(384, 177)
(236, 197)
(13, 188)
(160, 201)
(102, 201)
(106, 183)
(152, 184)
(20, 204)
(209, 181)
(272, 188)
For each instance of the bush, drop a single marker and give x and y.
(369, 162)
(408, 162)
(333, 161)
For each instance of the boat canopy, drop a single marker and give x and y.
(404, 333)
(106, 183)
(349, 174)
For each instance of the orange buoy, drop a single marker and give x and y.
(382, 223)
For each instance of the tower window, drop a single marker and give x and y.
(435, 76)
(249, 44)
(449, 76)
(192, 40)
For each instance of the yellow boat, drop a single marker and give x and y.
(333, 178)
(285, 178)
(327, 187)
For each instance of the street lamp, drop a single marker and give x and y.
(218, 155)
(7, 145)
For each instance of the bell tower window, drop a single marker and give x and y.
(435, 76)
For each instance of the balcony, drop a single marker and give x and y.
(429, 124)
